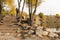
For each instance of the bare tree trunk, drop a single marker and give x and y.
(0, 12)
(35, 7)
(22, 10)
(18, 10)
(29, 5)
(31, 15)
(34, 12)
(1, 16)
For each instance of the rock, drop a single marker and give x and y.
(51, 34)
(45, 33)
(18, 30)
(7, 33)
(18, 35)
(40, 36)
(35, 25)
(48, 30)
(33, 36)
(30, 32)
(24, 25)
(40, 31)
(28, 26)
(26, 35)
(25, 31)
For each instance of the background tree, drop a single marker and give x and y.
(41, 15)
(44, 21)
(8, 7)
(57, 15)
(1, 1)
(51, 21)
(57, 21)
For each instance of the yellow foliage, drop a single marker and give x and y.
(57, 15)
(3, 12)
(12, 6)
(44, 19)
(9, 1)
(13, 11)
(25, 14)
(34, 2)
(36, 16)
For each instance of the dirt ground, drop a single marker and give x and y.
(8, 31)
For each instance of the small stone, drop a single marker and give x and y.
(33, 35)
(30, 32)
(7, 33)
(25, 35)
(45, 33)
(51, 34)
(18, 35)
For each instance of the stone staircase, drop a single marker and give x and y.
(8, 24)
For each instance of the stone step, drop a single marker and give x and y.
(8, 30)
(9, 27)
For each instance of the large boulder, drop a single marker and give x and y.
(40, 31)
(46, 32)
(51, 33)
